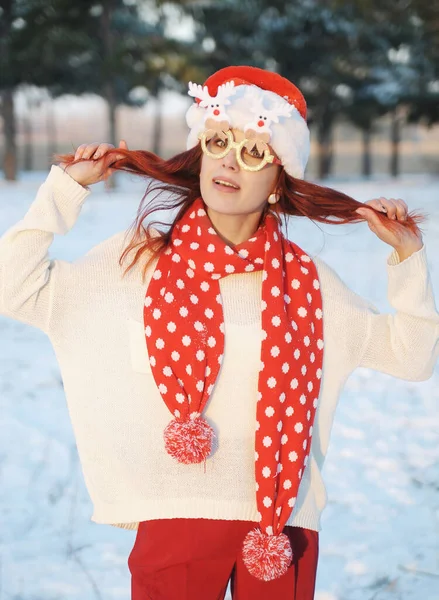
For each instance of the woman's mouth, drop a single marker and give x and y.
(225, 185)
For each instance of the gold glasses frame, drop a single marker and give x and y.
(268, 158)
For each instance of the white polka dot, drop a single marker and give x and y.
(211, 248)
(157, 274)
(263, 334)
(176, 257)
(282, 397)
(303, 370)
(302, 399)
(177, 242)
(289, 257)
(229, 269)
(269, 530)
(200, 354)
(295, 284)
(185, 228)
(156, 313)
(267, 502)
(183, 311)
(308, 415)
(204, 286)
(275, 321)
(287, 299)
(163, 389)
(294, 384)
(180, 284)
(285, 367)
(177, 413)
(312, 357)
(167, 371)
(287, 484)
(278, 510)
(148, 331)
(190, 273)
(186, 340)
(309, 298)
(189, 369)
(304, 270)
(160, 344)
(288, 337)
(271, 382)
(249, 268)
(180, 398)
(267, 441)
(171, 327)
(315, 402)
(298, 427)
(209, 267)
(320, 344)
(319, 313)
(284, 439)
(290, 411)
(194, 299)
(264, 275)
(266, 472)
(256, 455)
(296, 354)
(198, 326)
(209, 313)
(175, 355)
(293, 456)
(316, 284)
(200, 385)
(302, 312)
(294, 325)
(169, 297)
(269, 411)
(211, 342)
(275, 263)
(275, 351)
(291, 502)
(319, 373)
(275, 291)
(263, 305)
(310, 386)
(194, 246)
(279, 428)
(148, 301)
(306, 340)
(267, 245)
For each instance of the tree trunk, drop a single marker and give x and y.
(395, 132)
(27, 142)
(51, 131)
(109, 91)
(157, 126)
(325, 147)
(367, 155)
(9, 128)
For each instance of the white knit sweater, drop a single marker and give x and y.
(94, 319)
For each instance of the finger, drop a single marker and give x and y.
(377, 204)
(390, 207)
(89, 150)
(401, 210)
(79, 150)
(123, 144)
(371, 217)
(101, 150)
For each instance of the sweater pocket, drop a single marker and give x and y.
(138, 350)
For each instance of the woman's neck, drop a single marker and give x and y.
(234, 229)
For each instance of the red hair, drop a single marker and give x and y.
(176, 184)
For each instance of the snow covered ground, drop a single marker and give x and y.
(380, 538)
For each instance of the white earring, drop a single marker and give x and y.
(273, 198)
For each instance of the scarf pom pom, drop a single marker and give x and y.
(266, 557)
(189, 441)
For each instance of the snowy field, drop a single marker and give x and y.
(380, 538)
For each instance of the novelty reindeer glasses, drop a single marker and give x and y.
(253, 152)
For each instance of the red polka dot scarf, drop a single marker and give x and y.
(184, 329)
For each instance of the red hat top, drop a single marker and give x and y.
(266, 80)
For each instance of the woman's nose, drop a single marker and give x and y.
(229, 160)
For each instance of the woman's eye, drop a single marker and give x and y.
(220, 143)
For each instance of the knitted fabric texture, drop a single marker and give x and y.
(184, 330)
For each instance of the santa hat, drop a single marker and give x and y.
(263, 103)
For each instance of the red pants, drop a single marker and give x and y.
(194, 559)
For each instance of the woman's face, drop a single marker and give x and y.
(247, 191)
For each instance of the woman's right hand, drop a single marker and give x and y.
(97, 164)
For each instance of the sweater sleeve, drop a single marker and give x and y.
(404, 344)
(28, 278)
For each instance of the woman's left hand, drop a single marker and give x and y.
(403, 239)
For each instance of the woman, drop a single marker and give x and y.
(202, 378)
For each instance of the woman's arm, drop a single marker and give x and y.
(405, 344)
(28, 278)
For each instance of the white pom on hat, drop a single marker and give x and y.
(234, 94)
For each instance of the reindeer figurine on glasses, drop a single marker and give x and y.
(258, 132)
(216, 120)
